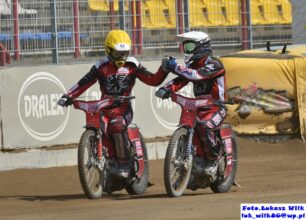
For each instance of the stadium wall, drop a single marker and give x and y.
(31, 118)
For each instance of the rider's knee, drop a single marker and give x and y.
(117, 125)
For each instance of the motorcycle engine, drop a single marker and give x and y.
(197, 176)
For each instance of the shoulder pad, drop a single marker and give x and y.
(215, 61)
(133, 60)
(102, 61)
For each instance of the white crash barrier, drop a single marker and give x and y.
(31, 118)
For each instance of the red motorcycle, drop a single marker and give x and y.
(97, 163)
(181, 173)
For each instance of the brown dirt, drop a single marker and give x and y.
(268, 173)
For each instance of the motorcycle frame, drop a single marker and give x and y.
(188, 119)
(94, 119)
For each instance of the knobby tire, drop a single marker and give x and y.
(89, 174)
(177, 144)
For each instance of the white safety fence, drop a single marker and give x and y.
(31, 118)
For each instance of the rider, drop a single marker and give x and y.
(208, 77)
(116, 73)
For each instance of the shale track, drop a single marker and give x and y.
(267, 173)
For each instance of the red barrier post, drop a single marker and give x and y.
(2, 56)
(77, 52)
(5, 56)
(244, 24)
(112, 14)
(180, 20)
(8, 57)
(133, 21)
(139, 26)
(16, 30)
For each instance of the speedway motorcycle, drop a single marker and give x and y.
(97, 163)
(186, 157)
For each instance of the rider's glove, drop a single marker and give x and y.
(163, 93)
(168, 64)
(65, 100)
(118, 100)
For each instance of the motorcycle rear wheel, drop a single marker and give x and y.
(222, 185)
(139, 185)
(89, 173)
(176, 177)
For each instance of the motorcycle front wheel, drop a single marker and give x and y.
(176, 176)
(89, 173)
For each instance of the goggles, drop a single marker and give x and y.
(189, 46)
(120, 54)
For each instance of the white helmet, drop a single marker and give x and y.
(196, 44)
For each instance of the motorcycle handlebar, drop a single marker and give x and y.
(230, 102)
(127, 97)
(120, 99)
(62, 102)
(218, 103)
(161, 93)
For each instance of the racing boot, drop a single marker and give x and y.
(118, 129)
(211, 168)
(123, 155)
(213, 148)
(124, 170)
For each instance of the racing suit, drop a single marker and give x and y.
(116, 81)
(208, 78)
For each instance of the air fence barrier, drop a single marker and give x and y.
(32, 120)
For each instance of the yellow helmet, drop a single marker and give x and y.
(117, 46)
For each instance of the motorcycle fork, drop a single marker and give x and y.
(99, 145)
(190, 149)
(100, 153)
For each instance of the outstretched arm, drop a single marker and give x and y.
(213, 68)
(172, 86)
(84, 83)
(175, 84)
(149, 78)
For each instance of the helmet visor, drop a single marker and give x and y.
(189, 46)
(120, 54)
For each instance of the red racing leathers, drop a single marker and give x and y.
(116, 81)
(208, 78)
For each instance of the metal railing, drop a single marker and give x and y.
(62, 31)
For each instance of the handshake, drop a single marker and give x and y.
(168, 64)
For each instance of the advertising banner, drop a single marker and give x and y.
(267, 87)
(30, 115)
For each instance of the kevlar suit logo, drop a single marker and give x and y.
(116, 84)
(201, 88)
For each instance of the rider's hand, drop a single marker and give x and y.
(122, 99)
(163, 93)
(168, 64)
(118, 100)
(65, 100)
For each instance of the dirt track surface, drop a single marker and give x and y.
(268, 173)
